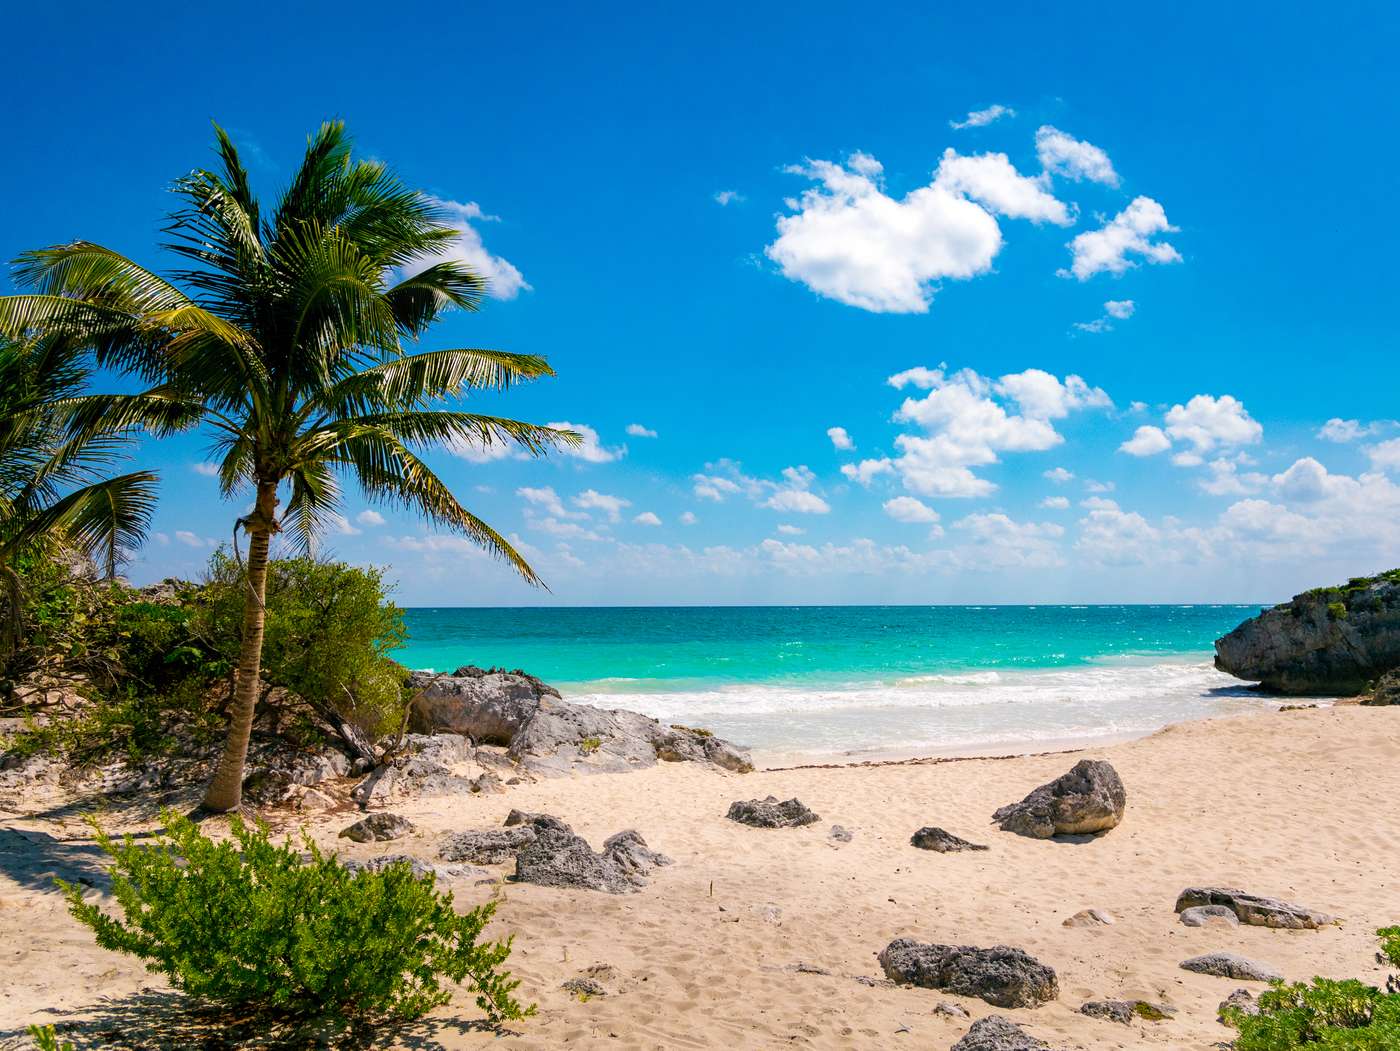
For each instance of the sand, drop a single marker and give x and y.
(1299, 805)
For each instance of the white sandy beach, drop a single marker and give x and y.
(1299, 805)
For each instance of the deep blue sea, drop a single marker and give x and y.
(864, 679)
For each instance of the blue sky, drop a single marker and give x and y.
(1158, 261)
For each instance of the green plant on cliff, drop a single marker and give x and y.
(1325, 1014)
(253, 926)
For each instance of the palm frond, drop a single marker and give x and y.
(102, 520)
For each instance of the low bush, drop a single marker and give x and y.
(1346, 1015)
(256, 926)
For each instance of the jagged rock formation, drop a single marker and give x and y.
(1001, 975)
(1089, 798)
(770, 813)
(1324, 641)
(995, 1033)
(548, 735)
(1252, 909)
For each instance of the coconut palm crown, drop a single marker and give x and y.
(283, 334)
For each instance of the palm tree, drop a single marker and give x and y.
(288, 346)
(52, 490)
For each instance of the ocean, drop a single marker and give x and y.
(864, 680)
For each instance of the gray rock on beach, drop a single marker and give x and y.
(486, 846)
(770, 813)
(1253, 910)
(377, 828)
(1230, 965)
(1240, 1000)
(1003, 976)
(1209, 916)
(1089, 918)
(418, 866)
(1126, 1012)
(548, 735)
(936, 839)
(559, 858)
(995, 1033)
(1088, 799)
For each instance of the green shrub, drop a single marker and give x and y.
(1337, 610)
(45, 1039)
(249, 924)
(1336, 1015)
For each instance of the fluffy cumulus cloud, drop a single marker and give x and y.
(1129, 233)
(1204, 424)
(966, 421)
(369, 517)
(208, 470)
(848, 240)
(909, 509)
(503, 279)
(724, 198)
(1058, 475)
(1113, 310)
(591, 449)
(1055, 503)
(610, 506)
(547, 500)
(1385, 456)
(840, 440)
(997, 541)
(647, 518)
(980, 118)
(688, 518)
(1146, 441)
(637, 430)
(1062, 154)
(791, 492)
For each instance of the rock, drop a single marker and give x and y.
(1386, 690)
(1254, 910)
(486, 846)
(487, 784)
(1088, 799)
(840, 834)
(931, 838)
(1125, 1011)
(995, 1033)
(1241, 1000)
(311, 800)
(377, 828)
(1089, 918)
(1209, 916)
(1001, 975)
(630, 851)
(546, 734)
(559, 858)
(584, 987)
(1324, 641)
(419, 867)
(536, 821)
(949, 1009)
(769, 813)
(424, 767)
(1229, 965)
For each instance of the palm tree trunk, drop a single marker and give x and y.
(225, 791)
(9, 633)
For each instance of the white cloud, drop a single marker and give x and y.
(846, 239)
(209, 470)
(503, 280)
(370, 517)
(1206, 422)
(636, 430)
(1127, 233)
(1043, 396)
(790, 530)
(1058, 475)
(1098, 503)
(839, 438)
(1385, 456)
(564, 530)
(1226, 480)
(1146, 441)
(1093, 486)
(1111, 536)
(592, 500)
(725, 478)
(991, 180)
(591, 449)
(724, 198)
(866, 471)
(980, 118)
(546, 498)
(1055, 503)
(1339, 430)
(647, 518)
(475, 452)
(1073, 158)
(688, 518)
(1122, 309)
(797, 500)
(908, 509)
(999, 542)
(190, 539)
(338, 523)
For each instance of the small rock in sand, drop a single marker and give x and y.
(1089, 918)
(378, 828)
(1254, 910)
(584, 987)
(1240, 1000)
(1209, 916)
(931, 838)
(995, 1033)
(1088, 799)
(840, 834)
(1002, 976)
(1229, 965)
(418, 866)
(950, 1009)
(769, 813)
(1125, 1011)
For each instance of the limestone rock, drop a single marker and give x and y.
(1229, 965)
(584, 987)
(1325, 641)
(1386, 691)
(840, 834)
(995, 1033)
(1002, 976)
(931, 838)
(1089, 918)
(1241, 1000)
(559, 858)
(486, 846)
(419, 867)
(1126, 1011)
(1089, 798)
(1254, 910)
(631, 853)
(1209, 916)
(769, 813)
(378, 827)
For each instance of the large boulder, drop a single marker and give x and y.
(1088, 799)
(1324, 641)
(1232, 965)
(1001, 975)
(1252, 909)
(548, 735)
(487, 846)
(377, 828)
(558, 857)
(995, 1033)
(770, 813)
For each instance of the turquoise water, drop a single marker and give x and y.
(863, 678)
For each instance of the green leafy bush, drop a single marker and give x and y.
(250, 924)
(1344, 1015)
(45, 1039)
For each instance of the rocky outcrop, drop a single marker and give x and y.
(1001, 975)
(487, 846)
(995, 1033)
(1386, 690)
(1254, 910)
(1088, 799)
(548, 735)
(936, 839)
(557, 857)
(1229, 965)
(1324, 641)
(769, 813)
